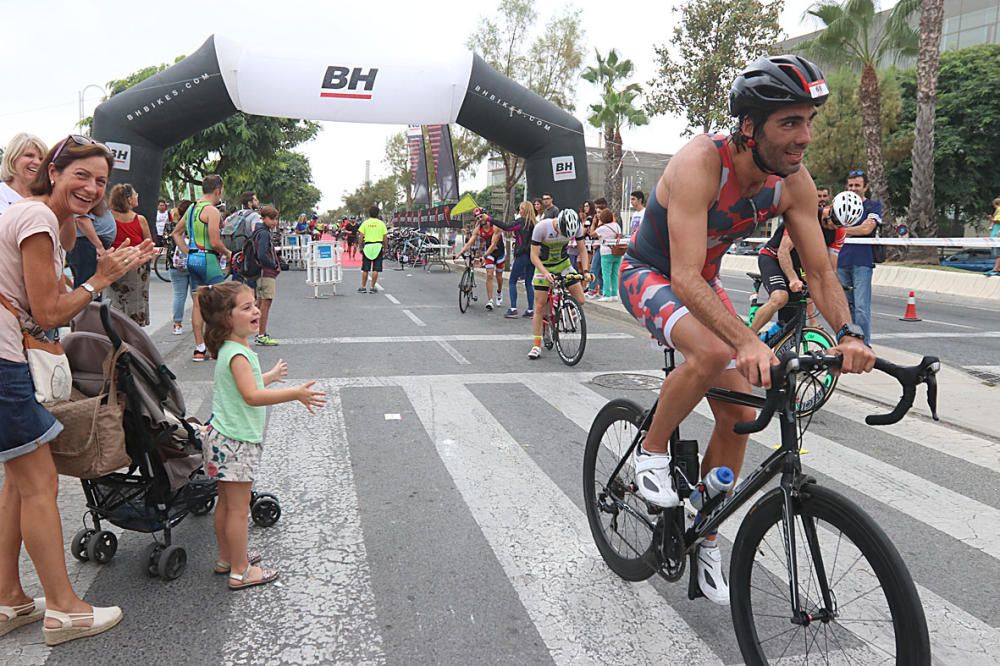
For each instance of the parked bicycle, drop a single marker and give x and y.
(809, 569)
(795, 336)
(564, 324)
(161, 264)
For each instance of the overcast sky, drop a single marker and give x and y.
(54, 48)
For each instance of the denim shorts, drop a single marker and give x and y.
(26, 424)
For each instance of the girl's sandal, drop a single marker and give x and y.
(240, 581)
(18, 616)
(223, 567)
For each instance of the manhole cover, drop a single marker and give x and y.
(628, 381)
(988, 377)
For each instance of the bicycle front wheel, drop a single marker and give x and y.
(160, 267)
(859, 602)
(465, 287)
(619, 521)
(814, 388)
(570, 331)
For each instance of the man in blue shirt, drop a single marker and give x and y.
(856, 262)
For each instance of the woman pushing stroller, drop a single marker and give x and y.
(232, 441)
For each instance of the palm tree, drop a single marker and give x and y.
(856, 37)
(922, 215)
(616, 108)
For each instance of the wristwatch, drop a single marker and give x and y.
(89, 288)
(852, 330)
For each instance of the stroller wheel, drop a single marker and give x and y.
(171, 562)
(101, 547)
(149, 559)
(203, 508)
(265, 510)
(79, 544)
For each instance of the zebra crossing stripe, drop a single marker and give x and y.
(955, 443)
(957, 637)
(322, 610)
(543, 543)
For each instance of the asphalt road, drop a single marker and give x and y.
(433, 511)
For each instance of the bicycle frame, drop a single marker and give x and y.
(784, 461)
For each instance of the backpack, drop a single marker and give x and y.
(237, 229)
(246, 263)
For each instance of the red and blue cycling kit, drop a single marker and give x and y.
(644, 281)
(499, 255)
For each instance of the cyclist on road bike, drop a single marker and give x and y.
(715, 190)
(780, 265)
(550, 256)
(490, 239)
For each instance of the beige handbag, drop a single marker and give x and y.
(92, 442)
(50, 372)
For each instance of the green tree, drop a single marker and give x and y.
(855, 36)
(287, 184)
(241, 148)
(712, 43)
(966, 127)
(383, 193)
(837, 141)
(922, 216)
(549, 64)
(616, 108)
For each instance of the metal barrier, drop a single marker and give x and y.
(295, 252)
(323, 266)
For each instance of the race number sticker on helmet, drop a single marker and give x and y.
(847, 209)
(818, 89)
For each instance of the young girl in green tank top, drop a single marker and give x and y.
(232, 442)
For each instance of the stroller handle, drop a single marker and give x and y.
(109, 327)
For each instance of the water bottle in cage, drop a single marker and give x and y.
(717, 482)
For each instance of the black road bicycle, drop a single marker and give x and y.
(564, 325)
(811, 575)
(467, 283)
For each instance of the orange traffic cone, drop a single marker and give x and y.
(911, 309)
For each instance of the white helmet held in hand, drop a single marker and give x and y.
(569, 223)
(847, 209)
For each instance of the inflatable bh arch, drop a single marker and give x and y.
(223, 76)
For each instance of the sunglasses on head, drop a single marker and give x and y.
(79, 140)
(855, 174)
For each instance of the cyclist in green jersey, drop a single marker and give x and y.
(550, 257)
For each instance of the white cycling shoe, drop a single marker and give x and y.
(652, 476)
(711, 580)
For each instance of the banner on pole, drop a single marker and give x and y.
(418, 165)
(443, 154)
(438, 216)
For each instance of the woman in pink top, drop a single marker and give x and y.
(70, 182)
(130, 293)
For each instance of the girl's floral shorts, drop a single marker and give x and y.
(229, 459)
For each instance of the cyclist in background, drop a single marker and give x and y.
(779, 263)
(550, 256)
(715, 190)
(490, 239)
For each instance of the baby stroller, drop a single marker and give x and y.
(165, 481)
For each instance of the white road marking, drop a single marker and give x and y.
(454, 353)
(929, 321)
(957, 637)
(544, 545)
(393, 417)
(487, 337)
(935, 334)
(325, 611)
(414, 318)
(392, 299)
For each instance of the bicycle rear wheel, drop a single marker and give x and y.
(619, 521)
(874, 615)
(465, 286)
(814, 388)
(570, 331)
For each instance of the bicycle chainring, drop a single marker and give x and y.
(668, 536)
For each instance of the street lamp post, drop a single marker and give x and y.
(83, 93)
